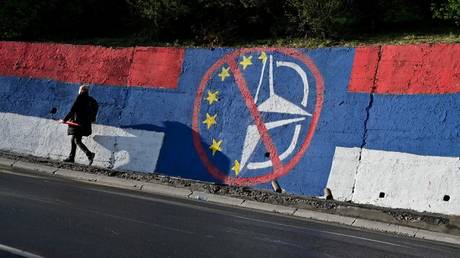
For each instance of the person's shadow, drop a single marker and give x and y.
(177, 155)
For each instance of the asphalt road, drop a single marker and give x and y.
(56, 217)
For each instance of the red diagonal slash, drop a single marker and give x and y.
(266, 139)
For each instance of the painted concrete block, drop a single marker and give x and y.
(342, 178)
(407, 180)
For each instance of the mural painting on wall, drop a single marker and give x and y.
(260, 107)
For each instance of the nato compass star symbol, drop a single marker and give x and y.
(237, 110)
(275, 104)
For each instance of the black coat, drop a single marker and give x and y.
(81, 114)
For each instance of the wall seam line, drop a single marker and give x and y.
(366, 120)
(131, 63)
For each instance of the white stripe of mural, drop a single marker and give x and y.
(127, 149)
(396, 180)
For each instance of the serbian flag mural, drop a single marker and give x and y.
(361, 122)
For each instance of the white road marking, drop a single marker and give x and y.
(19, 252)
(361, 238)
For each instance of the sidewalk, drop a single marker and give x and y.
(428, 226)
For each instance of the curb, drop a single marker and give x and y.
(34, 167)
(268, 207)
(232, 201)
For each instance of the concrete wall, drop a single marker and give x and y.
(377, 125)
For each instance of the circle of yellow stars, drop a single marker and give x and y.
(213, 97)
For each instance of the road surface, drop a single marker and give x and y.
(49, 216)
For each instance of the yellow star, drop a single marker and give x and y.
(215, 146)
(236, 167)
(263, 57)
(247, 61)
(224, 73)
(210, 120)
(212, 97)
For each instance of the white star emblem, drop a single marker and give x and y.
(275, 104)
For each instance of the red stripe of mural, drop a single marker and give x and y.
(411, 69)
(363, 69)
(146, 67)
(156, 66)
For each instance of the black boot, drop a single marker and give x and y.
(70, 159)
(91, 158)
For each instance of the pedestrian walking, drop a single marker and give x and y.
(82, 114)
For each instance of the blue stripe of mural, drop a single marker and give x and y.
(419, 124)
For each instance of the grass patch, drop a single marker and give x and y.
(443, 35)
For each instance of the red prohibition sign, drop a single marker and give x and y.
(279, 169)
